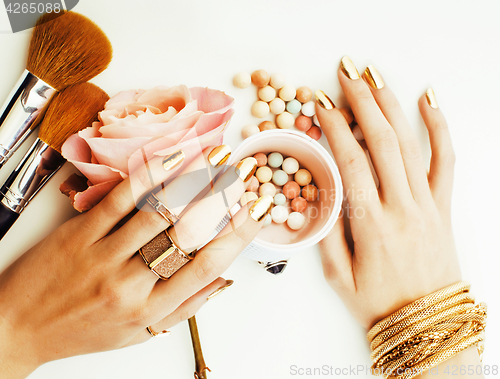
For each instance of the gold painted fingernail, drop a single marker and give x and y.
(348, 68)
(228, 284)
(248, 197)
(172, 160)
(261, 208)
(323, 100)
(219, 155)
(431, 98)
(246, 168)
(374, 78)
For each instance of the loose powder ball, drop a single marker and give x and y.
(304, 94)
(275, 160)
(267, 221)
(247, 197)
(293, 106)
(260, 109)
(302, 177)
(291, 190)
(267, 189)
(296, 221)
(285, 120)
(287, 92)
(277, 80)
(267, 93)
(280, 178)
(290, 165)
(279, 214)
(264, 174)
(314, 133)
(242, 80)
(260, 78)
(299, 204)
(253, 184)
(310, 192)
(267, 125)
(277, 106)
(309, 109)
(315, 120)
(261, 159)
(279, 199)
(303, 123)
(249, 130)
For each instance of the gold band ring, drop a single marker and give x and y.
(162, 209)
(163, 333)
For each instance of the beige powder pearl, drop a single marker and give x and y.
(287, 93)
(260, 109)
(267, 93)
(277, 106)
(285, 120)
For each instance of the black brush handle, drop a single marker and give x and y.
(7, 218)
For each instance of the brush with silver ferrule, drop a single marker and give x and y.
(72, 110)
(64, 50)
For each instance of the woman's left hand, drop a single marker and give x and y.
(84, 289)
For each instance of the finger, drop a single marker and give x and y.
(197, 222)
(408, 143)
(336, 257)
(212, 260)
(124, 197)
(443, 157)
(379, 135)
(185, 311)
(351, 160)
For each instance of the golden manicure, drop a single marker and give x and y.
(172, 160)
(219, 155)
(323, 100)
(246, 168)
(373, 78)
(431, 98)
(228, 284)
(261, 208)
(348, 68)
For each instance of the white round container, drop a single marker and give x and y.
(277, 242)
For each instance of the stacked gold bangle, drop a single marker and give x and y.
(427, 332)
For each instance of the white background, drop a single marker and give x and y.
(264, 324)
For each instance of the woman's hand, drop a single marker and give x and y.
(402, 246)
(84, 289)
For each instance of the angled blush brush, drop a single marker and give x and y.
(64, 50)
(72, 110)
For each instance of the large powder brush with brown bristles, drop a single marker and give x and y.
(64, 50)
(67, 49)
(72, 110)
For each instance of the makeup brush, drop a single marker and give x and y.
(72, 110)
(64, 50)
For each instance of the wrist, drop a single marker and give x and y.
(16, 361)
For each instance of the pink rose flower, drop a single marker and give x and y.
(154, 122)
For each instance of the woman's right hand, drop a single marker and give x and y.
(403, 246)
(84, 289)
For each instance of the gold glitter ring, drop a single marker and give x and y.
(163, 256)
(163, 333)
(162, 209)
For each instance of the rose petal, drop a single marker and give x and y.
(83, 201)
(210, 100)
(162, 97)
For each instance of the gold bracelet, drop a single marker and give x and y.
(427, 332)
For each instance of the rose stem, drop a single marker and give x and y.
(201, 367)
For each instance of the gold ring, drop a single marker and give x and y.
(163, 256)
(163, 333)
(162, 209)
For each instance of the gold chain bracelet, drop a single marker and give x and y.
(427, 332)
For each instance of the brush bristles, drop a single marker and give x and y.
(71, 110)
(67, 49)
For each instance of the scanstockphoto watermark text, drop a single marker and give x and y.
(451, 370)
